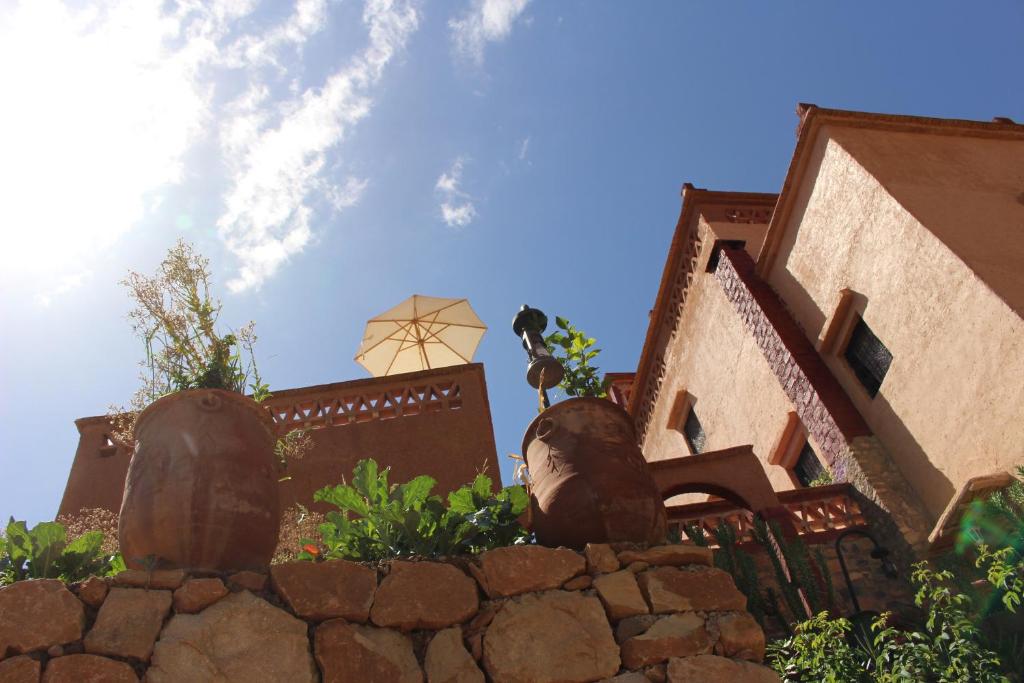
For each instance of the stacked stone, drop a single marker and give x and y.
(523, 613)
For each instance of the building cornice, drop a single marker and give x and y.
(739, 207)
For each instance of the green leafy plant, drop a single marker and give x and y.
(377, 520)
(948, 647)
(574, 350)
(43, 552)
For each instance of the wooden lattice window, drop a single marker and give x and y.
(693, 432)
(868, 357)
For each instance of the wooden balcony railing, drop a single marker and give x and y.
(818, 514)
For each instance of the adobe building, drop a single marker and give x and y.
(863, 327)
(435, 422)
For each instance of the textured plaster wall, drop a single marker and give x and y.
(716, 360)
(952, 404)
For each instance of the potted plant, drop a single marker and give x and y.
(201, 491)
(588, 479)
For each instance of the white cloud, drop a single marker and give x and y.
(457, 208)
(347, 195)
(524, 147)
(107, 102)
(486, 21)
(276, 167)
(458, 215)
(309, 17)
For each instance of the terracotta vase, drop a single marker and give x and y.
(201, 491)
(590, 482)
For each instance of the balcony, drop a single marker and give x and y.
(818, 514)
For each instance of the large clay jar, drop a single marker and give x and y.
(201, 491)
(590, 482)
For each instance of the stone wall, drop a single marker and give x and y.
(517, 614)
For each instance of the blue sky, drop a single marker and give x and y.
(333, 157)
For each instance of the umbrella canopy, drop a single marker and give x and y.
(421, 332)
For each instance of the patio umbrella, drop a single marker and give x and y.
(421, 332)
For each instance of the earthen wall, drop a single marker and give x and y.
(916, 226)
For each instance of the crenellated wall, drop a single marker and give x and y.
(522, 613)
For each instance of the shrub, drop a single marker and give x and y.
(43, 552)
(379, 521)
(947, 648)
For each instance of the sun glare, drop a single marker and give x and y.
(97, 116)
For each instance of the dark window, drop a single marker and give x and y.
(693, 432)
(808, 468)
(868, 357)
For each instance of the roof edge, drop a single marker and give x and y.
(692, 197)
(811, 120)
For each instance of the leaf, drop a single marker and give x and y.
(561, 322)
(461, 500)
(88, 544)
(364, 479)
(48, 539)
(117, 564)
(416, 491)
(482, 485)
(518, 497)
(19, 542)
(343, 497)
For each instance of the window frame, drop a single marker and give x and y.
(792, 440)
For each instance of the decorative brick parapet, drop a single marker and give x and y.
(523, 613)
(844, 439)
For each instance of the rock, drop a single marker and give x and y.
(620, 595)
(37, 614)
(637, 567)
(198, 594)
(677, 635)
(714, 669)
(424, 595)
(350, 652)
(633, 626)
(247, 580)
(128, 623)
(484, 616)
(165, 579)
(93, 591)
(550, 637)
(88, 669)
(578, 584)
(739, 636)
(627, 677)
(657, 673)
(22, 669)
(669, 555)
(668, 589)
(447, 660)
(55, 651)
(326, 590)
(525, 568)
(239, 639)
(601, 558)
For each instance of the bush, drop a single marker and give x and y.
(947, 648)
(377, 521)
(43, 552)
